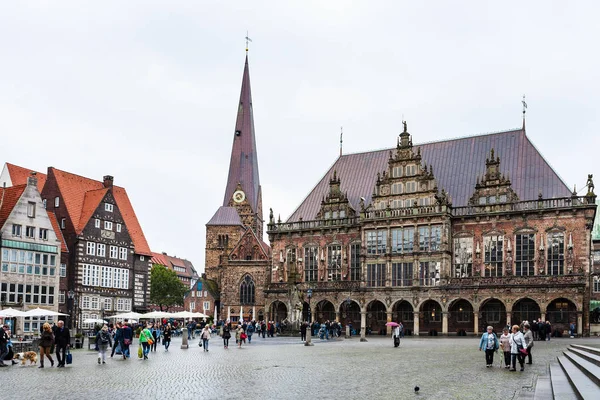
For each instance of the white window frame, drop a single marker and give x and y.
(114, 252)
(90, 249)
(107, 304)
(108, 225)
(122, 253)
(94, 303)
(63, 223)
(85, 302)
(61, 297)
(31, 209)
(56, 201)
(101, 250)
(118, 227)
(63, 270)
(206, 305)
(97, 223)
(108, 207)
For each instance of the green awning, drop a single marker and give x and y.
(594, 304)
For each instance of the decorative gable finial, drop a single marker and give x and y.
(590, 185)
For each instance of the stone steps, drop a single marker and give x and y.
(576, 376)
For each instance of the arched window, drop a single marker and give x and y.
(247, 290)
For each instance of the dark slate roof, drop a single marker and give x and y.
(456, 165)
(225, 216)
(243, 167)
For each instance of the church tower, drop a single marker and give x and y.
(236, 256)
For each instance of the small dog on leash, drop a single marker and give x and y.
(28, 355)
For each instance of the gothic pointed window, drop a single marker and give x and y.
(247, 290)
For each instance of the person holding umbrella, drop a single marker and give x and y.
(395, 333)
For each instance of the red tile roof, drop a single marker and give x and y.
(74, 190)
(19, 175)
(58, 231)
(8, 199)
(456, 164)
(169, 261)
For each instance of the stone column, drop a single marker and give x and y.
(388, 329)
(445, 323)
(347, 331)
(184, 339)
(476, 323)
(579, 323)
(508, 320)
(416, 324)
(229, 313)
(254, 312)
(363, 326)
(543, 316)
(337, 316)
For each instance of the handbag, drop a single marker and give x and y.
(69, 358)
(140, 353)
(150, 342)
(126, 342)
(523, 351)
(243, 336)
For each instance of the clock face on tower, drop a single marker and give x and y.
(239, 196)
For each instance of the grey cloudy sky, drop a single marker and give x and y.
(147, 91)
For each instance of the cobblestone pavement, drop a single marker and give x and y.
(282, 368)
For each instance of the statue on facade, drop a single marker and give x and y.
(590, 184)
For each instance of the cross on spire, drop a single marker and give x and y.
(247, 40)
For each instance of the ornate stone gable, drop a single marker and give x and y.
(248, 248)
(335, 205)
(494, 187)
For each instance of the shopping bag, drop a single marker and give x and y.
(69, 357)
(140, 353)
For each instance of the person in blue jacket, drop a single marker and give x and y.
(489, 342)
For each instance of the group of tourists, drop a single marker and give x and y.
(516, 343)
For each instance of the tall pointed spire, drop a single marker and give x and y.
(243, 167)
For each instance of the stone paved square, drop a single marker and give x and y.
(282, 368)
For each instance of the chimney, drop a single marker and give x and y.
(108, 181)
(32, 180)
(164, 253)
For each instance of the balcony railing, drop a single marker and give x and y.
(404, 212)
(310, 225)
(529, 205)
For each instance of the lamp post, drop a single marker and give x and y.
(71, 301)
(309, 329)
(348, 302)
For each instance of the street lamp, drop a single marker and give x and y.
(71, 296)
(309, 329)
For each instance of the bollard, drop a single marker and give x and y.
(308, 336)
(347, 331)
(184, 340)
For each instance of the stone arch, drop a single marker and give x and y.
(460, 316)
(492, 313)
(451, 303)
(431, 312)
(525, 309)
(350, 314)
(403, 311)
(561, 311)
(277, 311)
(376, 317)
(324, 311)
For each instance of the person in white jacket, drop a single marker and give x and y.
(396, 335)
(517, 342)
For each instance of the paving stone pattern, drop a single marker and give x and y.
(282, 368)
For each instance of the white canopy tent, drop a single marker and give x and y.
(188, 314)
(129, 315)
(11, 313)
(94, 321)
(40, 312)
(156, 314)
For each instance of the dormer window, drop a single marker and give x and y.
(342, 214)
(56, 202)
(482, 200)
(327, 215)
(108, 207)
(97, 223)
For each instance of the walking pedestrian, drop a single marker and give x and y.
(542, 330)
(528, 337)
(155, 337)
(205, 336)
(396, 335)
(118, 339)
(4, 338)
(249, 332)
(489, 343)
(127, 334)
(238, 336)
(167, 337)
(226, 334)
(146, 339)
(505, 345)
(46, 342)
(516, 344)
(62, 340)
(303, 328)
(548, 330)
(103, 340)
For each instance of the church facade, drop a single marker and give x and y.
(446, 237)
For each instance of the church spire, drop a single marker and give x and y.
(243, 167)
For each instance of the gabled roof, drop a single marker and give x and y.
(226, 216)
(19, 175)
(243, 167)
(170, 261)
(74, 190)
(8, 200)
(456, 163)
(57, 231)
(248, 238)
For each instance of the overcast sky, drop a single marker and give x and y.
(147, 91)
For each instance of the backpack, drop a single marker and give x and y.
(104, 338)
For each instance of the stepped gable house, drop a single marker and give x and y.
(237, 259)
(31, 247)
(108, 269)
(447, 237)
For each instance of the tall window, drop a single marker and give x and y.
(247, 290)
(525, 254)
(493, 247)
(375, 275)
(108, 225)
(429, 273)
(397, 172)
(107, 304)
(108, 207)
(430, 238)
(403, 240)
(596, 284)
(556, 253)
(311, 263)
(91, 248)
(16, 230)
(402, 274)
(355, 262)
(463, 257)
(114, 251)
(397, 188)
(122, 253)
(31, 209)
(101, 250)
(334, 262)
(377, 241)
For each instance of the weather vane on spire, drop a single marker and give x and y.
(247, 41)
(524, 106)
(341, 139)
